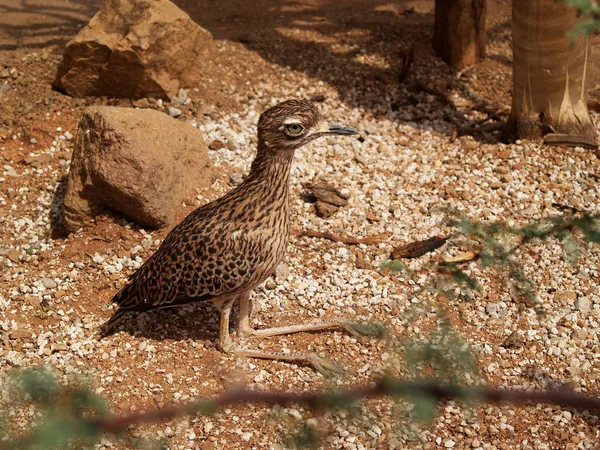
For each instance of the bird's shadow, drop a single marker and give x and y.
(196, 322)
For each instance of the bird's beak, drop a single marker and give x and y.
(334, 128)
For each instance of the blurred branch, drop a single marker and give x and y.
(429, 392)
(327, 400)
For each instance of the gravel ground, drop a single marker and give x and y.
(55, 292)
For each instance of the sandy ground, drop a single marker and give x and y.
(54, 292)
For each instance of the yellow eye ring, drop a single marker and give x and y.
(294, 129)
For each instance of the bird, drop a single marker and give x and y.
(226, 248)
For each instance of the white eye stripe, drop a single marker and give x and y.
(292, 121)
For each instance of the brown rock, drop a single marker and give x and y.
(217, 144)
(137, 162)
(14, 255)
(325, 210)
(142, 103)
(21, 334)
(325, 192)
(134, 49)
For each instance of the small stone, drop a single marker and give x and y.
(449, 443)
(312, 422)
(21, 334)
(491, 308)
(49, 283)
(174, 112)
(325, 210)
(270, 284)
(246, 436)
(566, 296)
(582, 304)
(475, 443)
(10, 171)
(14, 255)
(235, 179)
(514, 340)
(217, 144)
(180, 98)
(208, 445)
(495, 184)
(281, 273)
(66, 155)
(231, 145)
(295, 414)
(142, 103)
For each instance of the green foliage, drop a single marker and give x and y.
(304, 437)
(591, 21)
(63, 413)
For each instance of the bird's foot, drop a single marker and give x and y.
(352, 328)
(363, 329)
(320, 364)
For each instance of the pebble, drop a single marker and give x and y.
(14, 255)
(21, 334)
(49, 283)
(173, 112)
(295, 414)
(566, 296)
(10, 171)
(180, 98)
(246, 436)
(583, 304)
(282, 272)
(491, 308)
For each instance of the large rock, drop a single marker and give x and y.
(134, 49)
(139, 163)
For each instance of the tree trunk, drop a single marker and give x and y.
(459, 34)
(549, 73)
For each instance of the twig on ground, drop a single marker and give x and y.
(370, 240)
(418, 248)
(408, 57)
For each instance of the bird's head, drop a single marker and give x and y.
(292, 124)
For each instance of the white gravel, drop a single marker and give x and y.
(398, 175)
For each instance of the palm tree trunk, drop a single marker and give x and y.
(549, 73)
(459, 34)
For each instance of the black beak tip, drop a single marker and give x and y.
(343, 130)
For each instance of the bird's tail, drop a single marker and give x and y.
(108, 327)
(127, 300)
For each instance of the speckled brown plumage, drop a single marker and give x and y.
(224, 249)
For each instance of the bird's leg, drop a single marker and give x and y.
(244, 328)
(225, 343)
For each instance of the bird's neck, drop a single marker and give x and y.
(270, 172)
(266, 189)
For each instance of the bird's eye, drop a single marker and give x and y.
(294, 129)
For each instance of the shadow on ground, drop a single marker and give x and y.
(359, 48)
(37, 24)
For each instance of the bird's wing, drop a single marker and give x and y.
(199, 264)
